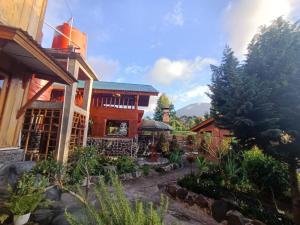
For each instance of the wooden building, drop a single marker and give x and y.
(55, 127)
(21, 58)
(116, 108)
(211, 137)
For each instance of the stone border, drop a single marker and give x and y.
(223, 211)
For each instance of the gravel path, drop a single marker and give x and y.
(147, 189)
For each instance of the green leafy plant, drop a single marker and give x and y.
(175, 157)
(202, 165)
(125, 164)
(115, 208)
(265, 172)
(51, 169)
(28, 194)
(145, 169)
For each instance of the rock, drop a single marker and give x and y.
(190, 200)
(110, 169)
(220, 208)
(128, 176)
(43, 216)
(53, 194)
(137, 174)
(235, 218)
(77, 213)
(181, 193)
(201, 201)
(224, 222)
(257, 222)
(171, 189)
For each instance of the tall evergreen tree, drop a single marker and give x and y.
(260, 100)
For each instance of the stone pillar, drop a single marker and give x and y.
(87, 96)
(68, 113)
(166, 115)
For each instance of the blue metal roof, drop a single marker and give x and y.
(103, 85)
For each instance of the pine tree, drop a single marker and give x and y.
(260, 100)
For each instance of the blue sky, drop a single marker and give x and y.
(166, 43)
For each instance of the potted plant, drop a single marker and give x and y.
(26, 197)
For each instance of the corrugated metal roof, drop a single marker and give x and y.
(103, 85)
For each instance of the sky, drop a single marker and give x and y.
(169, 44)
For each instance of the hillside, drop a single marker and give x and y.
(195, 109)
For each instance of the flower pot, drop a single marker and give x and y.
(21, 219)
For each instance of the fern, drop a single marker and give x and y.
(116, 209)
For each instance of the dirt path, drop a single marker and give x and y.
(147, 189)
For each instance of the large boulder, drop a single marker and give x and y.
(235, 218)
(171, 189)
(201, 201)
(190, 200)
(53, 193)
(43, 216)
(181, 193)
(220, 207)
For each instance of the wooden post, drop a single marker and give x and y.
(35, 97)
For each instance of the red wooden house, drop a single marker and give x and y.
(116, 108)
(215, 137)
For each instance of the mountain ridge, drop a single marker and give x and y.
(194, 109)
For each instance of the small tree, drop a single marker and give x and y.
(162, 102)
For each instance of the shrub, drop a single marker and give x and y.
(125, 164)
(202, 165)
(175, 157)
(83, 164)
(51, 169)
(174, 146)
(115, 209)
(163, 144)
(145, 169)
(265, 173)
(28, 194)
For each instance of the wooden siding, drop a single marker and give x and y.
(25, 14)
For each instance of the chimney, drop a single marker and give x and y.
(166, 115)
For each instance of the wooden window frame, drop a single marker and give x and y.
(3, 93)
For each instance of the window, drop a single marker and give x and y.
(117, 128)
(3, 82)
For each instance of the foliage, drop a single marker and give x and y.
(145, 169)
(259, 101)
(162, 102)
(115, 209)
(83, 165)
(202, 165)
(125, 164)
(28, 194)
(163, 144)
(175, 157)
(51, 169)
(190, 139)
(266, 173)
(174, 146)
(231, 172)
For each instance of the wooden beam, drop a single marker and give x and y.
(35, 97)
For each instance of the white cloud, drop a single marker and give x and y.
(105, 68)
(175, 16)
(135, 69)
(165, 71)
(196, 94)
(243, 19)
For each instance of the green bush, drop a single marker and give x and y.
(28, 194)
(175, 157)
(125, 164)
(83, 163)
(265, 173)
(51, 169)
(115, 209)
(145, 169)
(174, 146)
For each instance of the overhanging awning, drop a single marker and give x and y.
(18, 45)
(153, 125)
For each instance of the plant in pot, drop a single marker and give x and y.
(26, 197)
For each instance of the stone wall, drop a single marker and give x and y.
(11, 155)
